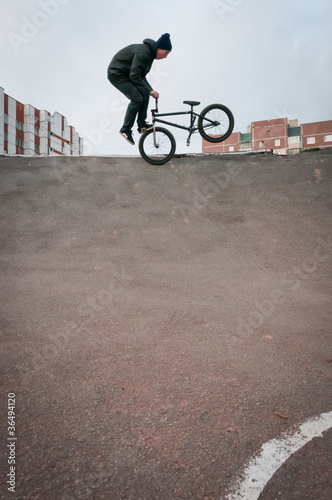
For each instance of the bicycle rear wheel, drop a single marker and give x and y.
(215, 123)
(157, 146)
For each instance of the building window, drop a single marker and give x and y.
(327, 138)
(36, 148)
(244, 145)
(19, 143)
(311, 140)
(261, 144)
(277, 142)
(6, 118)
(6, 136)
(294, 140)
(19, 125)
(37, 131)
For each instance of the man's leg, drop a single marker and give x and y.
(136, 101)
(143, 111)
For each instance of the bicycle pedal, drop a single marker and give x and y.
(142, 130)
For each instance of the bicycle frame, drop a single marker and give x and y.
(191, 129)
(157, 144)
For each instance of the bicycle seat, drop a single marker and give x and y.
(192, 103)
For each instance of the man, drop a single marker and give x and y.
(127, 72)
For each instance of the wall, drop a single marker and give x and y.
(314, 134)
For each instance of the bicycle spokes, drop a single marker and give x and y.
(216, 123)
(157, 146)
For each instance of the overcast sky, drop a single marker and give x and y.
(262, 58)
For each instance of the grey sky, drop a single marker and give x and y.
(261, 58)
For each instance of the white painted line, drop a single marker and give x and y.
(273, 454)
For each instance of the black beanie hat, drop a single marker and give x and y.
(164, 42)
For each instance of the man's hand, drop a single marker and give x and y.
(154, 94)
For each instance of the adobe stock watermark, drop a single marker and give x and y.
(209, 193)
(106, 127)
(95, 137)
(39, 20)
(291, 280)
(224, 7)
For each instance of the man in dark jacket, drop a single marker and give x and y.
(127, 72)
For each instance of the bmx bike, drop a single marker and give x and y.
(157, 145)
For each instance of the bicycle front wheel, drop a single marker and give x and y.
(215, 123)
(157, 146)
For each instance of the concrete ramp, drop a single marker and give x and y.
(160, 324)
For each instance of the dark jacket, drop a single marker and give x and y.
(134, 63)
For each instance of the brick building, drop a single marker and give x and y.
(281, 135)
(26, 130)
(317, 134)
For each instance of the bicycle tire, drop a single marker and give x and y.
(163, 152)
(222, 126)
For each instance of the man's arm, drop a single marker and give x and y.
(137, 75)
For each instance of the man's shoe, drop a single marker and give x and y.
(128, 136)
(144, 127)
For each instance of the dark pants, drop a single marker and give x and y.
(138, 105)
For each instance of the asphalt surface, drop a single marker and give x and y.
(160, 324)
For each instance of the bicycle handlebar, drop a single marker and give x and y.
(155, 110)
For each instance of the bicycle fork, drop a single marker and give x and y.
(156, 145)
(154, 111)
